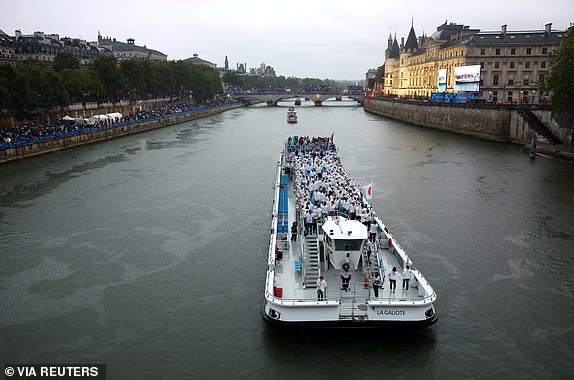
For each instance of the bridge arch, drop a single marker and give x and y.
(271, 99)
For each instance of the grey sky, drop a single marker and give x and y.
(335, 39)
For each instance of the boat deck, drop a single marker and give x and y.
(294, 267)
(292, 281)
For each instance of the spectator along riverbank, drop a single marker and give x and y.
(31, 139)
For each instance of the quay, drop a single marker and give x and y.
(499, 123)
(101, 134)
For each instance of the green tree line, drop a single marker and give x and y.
(247, 82)
(34, 85)
(561, 78)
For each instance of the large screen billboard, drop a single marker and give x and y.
(467, 78)
(442, 80)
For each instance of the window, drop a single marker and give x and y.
(497, 52)
(509, 98)
(495, 79)
(528, 51)
(496, 65)
(482, 65)
(526, 65)
(524, 96)
(511, 80)
(348, 244)
(482, 51)
(526, 80)
(544, 50)
(543, 65)
(495, 96)
(513, 51)
(511, 65)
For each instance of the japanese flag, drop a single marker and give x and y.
(369, 191)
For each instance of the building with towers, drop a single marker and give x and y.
(513, 64)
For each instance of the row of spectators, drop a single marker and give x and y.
(257, 90)
(32, 132)
(355, 89)
(323, 88)
(319, 88)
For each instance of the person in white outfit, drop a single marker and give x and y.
(321, 288)
(376, 283)
(393, 279)
(406, 277)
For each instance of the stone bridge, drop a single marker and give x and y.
(272, 98)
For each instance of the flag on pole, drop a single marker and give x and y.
(368, 191)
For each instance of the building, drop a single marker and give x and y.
(198, 61)
(129, 50)
(7, 52)
(45, 47)
(370, 80)
(263, 71)
(513, 64)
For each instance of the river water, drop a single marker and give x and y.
(148, 253)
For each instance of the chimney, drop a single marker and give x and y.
(402, 42)
(548, 28)
(503, 29)
(17, 34)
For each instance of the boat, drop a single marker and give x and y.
(291, 115)
(308, 263)
(298, 101)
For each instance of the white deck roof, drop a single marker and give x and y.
(342, 228)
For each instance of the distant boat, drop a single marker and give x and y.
(291, 115)
(298, 101)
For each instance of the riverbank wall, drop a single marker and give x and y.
(56, 144)
(83, 110)
(500, 123)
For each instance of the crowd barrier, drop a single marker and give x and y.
(114, 125)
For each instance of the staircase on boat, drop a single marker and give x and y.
(353, 303)
(311, 261)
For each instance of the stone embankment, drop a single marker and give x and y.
(52, 145)
(489, 122)
(561, 151)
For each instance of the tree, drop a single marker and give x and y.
(8, 88)
(204, 83)
(232, 79)
(81, 84)
(560, 80)
(65, 60)
(110, 76)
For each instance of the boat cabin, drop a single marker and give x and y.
(343, 240)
